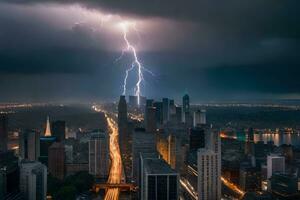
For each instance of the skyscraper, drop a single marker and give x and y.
(150, 120)
(3, 133)
(202, 117)
(122, 115)
(159, 180)
(48, 128)
(99, 155)
(133, 101)
(178, 114)
(29, 144)
(166, 110)
(196, 138)
(142, 142)
(9, 174)
(209, 182)
(275, 163)
(185, 107)
(33, 180)
(56, 160)
(58, 129)
(196, 119)
(45, 143)
(124, 135)
(159, 112)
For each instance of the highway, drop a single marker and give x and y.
(115, 174)
(116, 161)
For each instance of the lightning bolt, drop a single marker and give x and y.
(135, 63)
(125, 79)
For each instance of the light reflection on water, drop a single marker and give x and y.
(279, 139)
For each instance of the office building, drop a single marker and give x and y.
(250, 178)
(209, 175)
(133, 101)
(196, 119)
(196, 138)
(275, 163)
(159, 112)
(142, 158)
(185, 107)
(33, 180)
(284, 186)
(99, 155)
(45, 143)
(56, 160)
(202, 117)
(150, 120)
(58, 129)
(159, 180)
(172, 107)
(3, 132)
(124, 135)
(142, 142)
(9, 174)
(166, 110)
(29, 145)
(178, 114)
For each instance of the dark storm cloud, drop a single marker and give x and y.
(216, 49)
(270, 18)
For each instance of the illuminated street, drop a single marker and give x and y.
(116, 162)
(232, 186)
(115, 175)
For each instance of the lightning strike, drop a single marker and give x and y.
(136, 62)
(126, 26)
(125, 79)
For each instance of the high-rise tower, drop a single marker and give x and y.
(124, 136)
(3, 133)
(185, 107)
(48, 129)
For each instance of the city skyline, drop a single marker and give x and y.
(52, 51)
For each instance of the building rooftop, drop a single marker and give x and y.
(57, 145)
(158, 166)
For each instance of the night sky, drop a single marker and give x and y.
(214, 50)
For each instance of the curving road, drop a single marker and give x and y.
(115, 174)
(116, 162)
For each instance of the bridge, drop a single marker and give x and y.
(121, 186)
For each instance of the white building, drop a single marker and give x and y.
(199, 118)
(275, 163)
(33, 180)
(209, 174)
(99, 155)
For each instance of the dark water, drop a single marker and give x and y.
(279, 139)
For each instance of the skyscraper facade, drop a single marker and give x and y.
(159, 180)
(33, 180)
(275, 163)
(3, 133)
(142, 142)
(150, 120)
(159, 112)
(58, 129)
(124, 135)
(185, 107)
(209, 182)
(56, 160)
(29, 145)
(9, 174)
(166, 110)
(99, 155)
